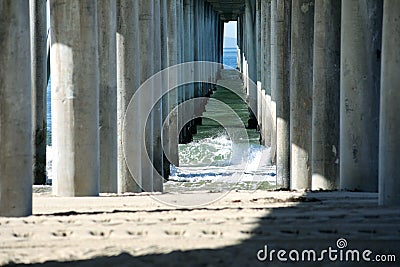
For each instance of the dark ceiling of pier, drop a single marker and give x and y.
(229, 9)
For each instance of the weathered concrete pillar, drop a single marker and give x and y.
(239, 44)
(221, 42)
(16, 106)
(258, 45)
(128, 78)
(282, 92)
(75, 97)
(266, 70)
(173, 132)
(274, 74)
(208, 53)
(38, 26)
(206, 45)
(212, 45)
(360, 86)
(241, 34)
(201, 47)
(251, 59)
(146, 48)
(181, 91)
(187, 53)
(197, 57)
(164, 64)
(389, 145)
(265, 116)
(245, 55)
(158, 155)
(326, 96)
(301, 92)
(107, 56)
(193, 48)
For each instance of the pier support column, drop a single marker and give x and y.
(326, 98)
(75, 97)
(360, 87)
(259, 63)
(251, 52)
(181, 59)
(274, 73)
(389, 146)
(16, 106)
(301, 92)
(239, 44)
(38, 26)
(128, 81)
(266, 70)
(146, 63)
(193, 87)
(197, 57)
(282, 92)
(164, 64)
(107, 27)
(173, 132)
(187, 53)
(158, 157)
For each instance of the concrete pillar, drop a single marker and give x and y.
(107, 56)
(146, 48)
(301, 92)
(188, 53)
(264, 116)
(274, 74)
(164, 64)
(221, 42)
(326, 96)
(173, 132)
(241, 34)
(239, 44)
(360, 86)
(282, 92)
(245, 55)
(205, 21)
(75, 97)
(389, 146)
(158, 154)
(193, 47)
(16, 115)
(38, 26)
(181, 92)
(206, 47)
(251, 59)
(212, 45)
(128, 81)
(203, 50)
(197, 57)
(258, 45)
(266, 70)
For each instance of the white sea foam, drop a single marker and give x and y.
(214, 159)
(217, 159)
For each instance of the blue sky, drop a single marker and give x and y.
(230, 29)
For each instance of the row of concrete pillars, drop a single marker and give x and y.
(327, 97)
(101, 52)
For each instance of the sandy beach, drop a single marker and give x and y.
(139, 230)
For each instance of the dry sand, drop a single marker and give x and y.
(136, 230)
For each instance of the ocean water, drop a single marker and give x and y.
(213, 161)
(230, 57)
